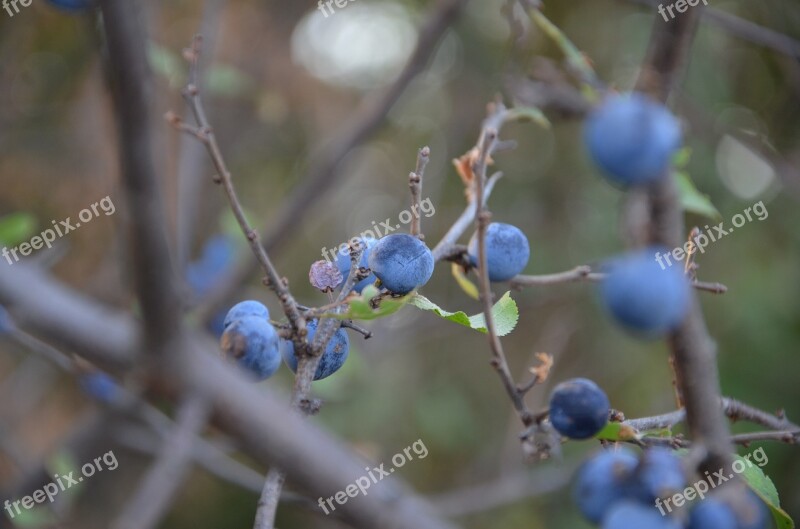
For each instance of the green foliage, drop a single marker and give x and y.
(505, 314)
(763, 486)
(16, 228)
(370, 305)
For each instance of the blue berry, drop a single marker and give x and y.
(73, 5)
(402, 262)
(660, 474)
(631, 515)
(711, 513)
(6, 323)
(254, 344)
(507, 251)
(578, 408)
(632, 138)
(98, 385)
(751, 511)
(644, 297)
(244, 309)
(603, 480)
(332, 359)
(218, 255)
(343, 263)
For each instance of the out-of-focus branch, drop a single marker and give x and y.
(130, 80)
(693, 350)
(161, 484)
(323, 171)
(415, 185)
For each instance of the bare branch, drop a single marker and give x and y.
(415, 185)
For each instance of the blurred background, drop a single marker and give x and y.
(282, 82)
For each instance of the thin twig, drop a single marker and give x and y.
(415, 185)
(206, 135)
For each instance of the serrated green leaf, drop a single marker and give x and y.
(528, 114)
(16, 228)
(617, 431)
(360, 307)
(226, 80)
(505, 314)
(463, 281)
(762, 485)
(693, 200)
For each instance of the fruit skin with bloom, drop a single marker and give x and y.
(343, 263)
(632, 138)
(99, 385)
(332, 359)
(402, 262)
(244, 309)
(603, 480)
(253, 343)
(660, 474)
(507, 251)
(578, 408)
(633, 515)
(643, 297)
(712, 513)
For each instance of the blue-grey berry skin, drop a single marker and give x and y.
(632, 138)
(578, 408)
(507, 251)
(73, 5)
(642, 296)
(660, 474)
(98, 385)
(632, 515)
(244, 309)
(332, 359)
(603, 480)
(751, 511)
(254, 344)
(402, 262)
(711, 513)
(343, 263)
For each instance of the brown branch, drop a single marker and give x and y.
(161, 484)
(415, 185)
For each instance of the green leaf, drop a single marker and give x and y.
(227, 81)
(693, 200)
(360, 307)
(763, 486)
(617, 431)
(528, 114)
(463, 281)
(681, 158)
(16, 228)
(34, 519)
(505, 314)
(166, 63)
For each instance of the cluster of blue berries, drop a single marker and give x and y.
(618, 490)
(251, 340)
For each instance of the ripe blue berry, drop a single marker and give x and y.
(244, 309)
(578, 408)
(751, 511)
(507, 251)
(632, 138)
(644, 297)
(402, 262)
(73, 5)
(98, 385)
(332, 359)
(631, 515)
(712, 513)
(219, 254)
(343, 263)
(604, 480)
(254, 344)
(660, 474)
